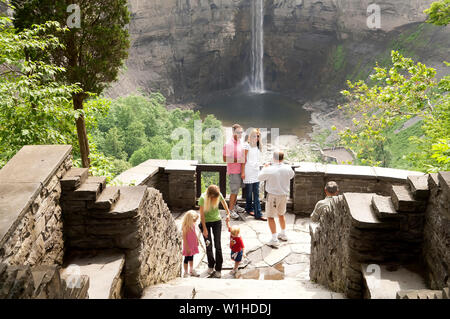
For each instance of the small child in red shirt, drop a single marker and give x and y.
(236, 245)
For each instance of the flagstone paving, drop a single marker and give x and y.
(267, 272)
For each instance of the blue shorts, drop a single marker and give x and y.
(237, 256)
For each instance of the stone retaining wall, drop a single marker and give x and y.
(140, 225)
(39, 282)
(161, 243)
(437, 231)
(310, 180)
(329, 259)
(175, 179)
(358, 229)
(35, 236)
(34, 207)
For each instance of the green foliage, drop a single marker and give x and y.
(34, 107)
(405, 90)
(157, 148)
(211, 178)
(338, 58)
(321, 138)
(138, 128)
(102, 165)
(400, 145)
(93, 53)
(439, 13)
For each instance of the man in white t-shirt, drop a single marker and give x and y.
(278, 181)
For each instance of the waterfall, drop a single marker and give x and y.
(257, 76)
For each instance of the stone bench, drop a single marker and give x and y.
(103, 268)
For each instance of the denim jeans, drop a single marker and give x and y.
(214, 229)
(252, 199)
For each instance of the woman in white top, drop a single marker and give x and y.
(249, 174)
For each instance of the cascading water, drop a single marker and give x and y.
(257, 76)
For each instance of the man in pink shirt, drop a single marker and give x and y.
(233, 155)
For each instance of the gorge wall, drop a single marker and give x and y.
(186, 49)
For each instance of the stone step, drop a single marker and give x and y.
(444, 181)
(88, 191)
(419, 187)
(104, 269)
(208, 288)
(404, 201)
(106, 200)
(419, 294)
(47, 282)
(383, 207)
(128, 204)
(433, 180)
(363, 214)
(74, 178)
(16, 282)
(76, 289)
(384, 281)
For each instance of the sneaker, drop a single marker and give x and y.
(239, 209)
(234, 215)
(216, 274)
(210, 271)
(186, 275)
(234, 273)
(273, 243)
(194, 273)
(282, 237)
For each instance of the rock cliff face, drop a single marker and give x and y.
(187, 48)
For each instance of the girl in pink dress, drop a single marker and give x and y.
(190, 242)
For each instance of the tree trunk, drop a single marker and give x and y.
(81, 131)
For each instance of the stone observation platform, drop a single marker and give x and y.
(266, 273)
(66, 234)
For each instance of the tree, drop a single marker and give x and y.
(92, 53)
(406, 90)
(142, 126)
(112, 144)
(34, 107)
(439, 13)
(157, 148)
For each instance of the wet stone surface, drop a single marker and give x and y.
(266, 272)
(289, 260)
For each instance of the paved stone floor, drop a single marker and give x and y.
(267, 272)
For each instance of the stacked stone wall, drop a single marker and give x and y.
(437, 231)
(330, 262)
(310, 180)
(175, 179)
(355, 231)
(145, 232)
(36, 237)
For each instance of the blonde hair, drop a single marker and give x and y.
(235, 231)
(212, 198)
(256, 132)
(189, 220)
